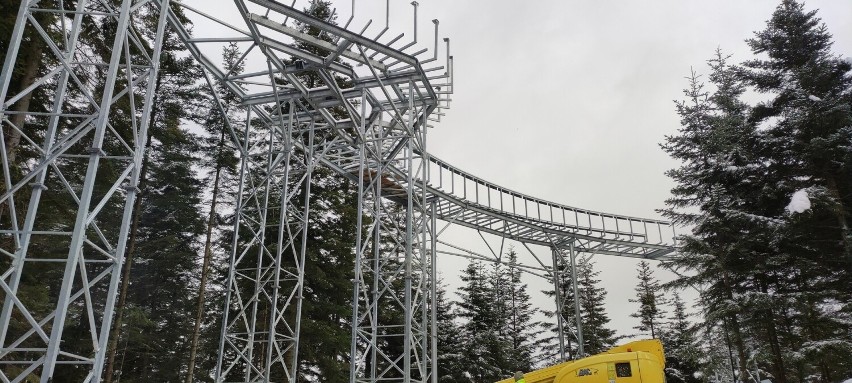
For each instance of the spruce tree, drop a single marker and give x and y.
(522, 331)
(650, 297)
(219, 160)
(451, 362)
(481, 330)
(597, 336)
(680, 343)
(808, 140)
(717, 193)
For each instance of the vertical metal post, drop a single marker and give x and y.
(78, 236)
(12, 52)
(409, 237)
(427, 273)
(557, 288)
(359, 251)
(377, 252)
(433, 209)
(300, 286)
(244, 158)
(580, 351)
(132, 189)
(38, 184)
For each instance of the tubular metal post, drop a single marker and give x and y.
(38, 185)
(580, 351)
(78, 237)
(409, 239)
(300, 286)
(132, 190)
(234, 249)
(557, 288)
(359, 250)
(433, 209)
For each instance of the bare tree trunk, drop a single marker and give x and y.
(205, 267)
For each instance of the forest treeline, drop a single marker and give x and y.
(774, 272)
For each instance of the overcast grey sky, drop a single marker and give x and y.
(568, 100)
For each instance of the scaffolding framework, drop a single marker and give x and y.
(367, 121)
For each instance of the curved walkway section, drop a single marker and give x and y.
(470, 201)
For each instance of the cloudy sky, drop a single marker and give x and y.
(568, 100)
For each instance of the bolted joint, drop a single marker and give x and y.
(96, 151)
(39, 186)
(134, 189)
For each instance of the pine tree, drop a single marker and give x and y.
(597, 336)
(650, 297)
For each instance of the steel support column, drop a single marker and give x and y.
(578, 318)
(81, 258)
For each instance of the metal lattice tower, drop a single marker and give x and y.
(371, 130)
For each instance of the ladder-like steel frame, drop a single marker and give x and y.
(367, 122)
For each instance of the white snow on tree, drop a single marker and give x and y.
(800, 202)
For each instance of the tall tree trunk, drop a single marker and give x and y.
(30, 54)
(32, 58)
(736, 331)
(205, 267)
(845, 233)
(767, 316)
(131, 246)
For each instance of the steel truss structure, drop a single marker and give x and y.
(366, 121)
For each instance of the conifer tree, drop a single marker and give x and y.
(219, 159)
(597, 336)
(650, 297)
(153, 309)
(522, 331)
(717, 191)
(480, 332)
(808, 139)
(451, 362)
(680, 345)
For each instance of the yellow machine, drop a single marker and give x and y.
(635, 362)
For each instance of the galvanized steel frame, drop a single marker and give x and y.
(82, 125)
(372, 131)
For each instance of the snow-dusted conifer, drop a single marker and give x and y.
(649, 296)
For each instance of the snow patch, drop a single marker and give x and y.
(800, 203)
(848, 380)
(814, 98)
